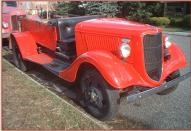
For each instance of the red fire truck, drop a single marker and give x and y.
(109, 58)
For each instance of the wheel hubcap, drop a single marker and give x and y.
(93, 95)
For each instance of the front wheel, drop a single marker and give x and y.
(100, 99)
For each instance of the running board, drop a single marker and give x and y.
(50, 63)
(56, 66)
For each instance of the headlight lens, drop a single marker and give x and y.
(125, 50)
(5, 25)
(167, 42)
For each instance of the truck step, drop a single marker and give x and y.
(40, 58)
(52, 64)
(56, 66)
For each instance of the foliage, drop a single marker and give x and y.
(176, 21)
(181, 21)
(135, 11)
(75, 9)
(147, 12)
(156, 8)
(159, 21)
(101, 8)
(61, 8)
(186, 21)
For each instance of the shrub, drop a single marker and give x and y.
(183, 22)
(186, 21)
(159, 21)
(176, 21)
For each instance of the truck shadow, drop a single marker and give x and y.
(69, 93)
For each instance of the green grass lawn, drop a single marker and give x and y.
(27, 105)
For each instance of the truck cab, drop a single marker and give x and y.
(11, 15)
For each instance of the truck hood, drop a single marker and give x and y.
(116, 26)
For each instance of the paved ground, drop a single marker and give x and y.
(164, 112)
(156, 112)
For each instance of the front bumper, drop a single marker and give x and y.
(5, 35)
(164, 86)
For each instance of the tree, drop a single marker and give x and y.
(101, 8)
(135, 11)
(61, 8)
(156, 8)
(75, 8)
(68, 8)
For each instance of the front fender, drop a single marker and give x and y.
(176, 61)
(116, 72)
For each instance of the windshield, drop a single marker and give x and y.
(10, 3)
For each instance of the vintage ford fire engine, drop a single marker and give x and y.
(110, 58)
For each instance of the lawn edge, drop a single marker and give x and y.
(99, 123)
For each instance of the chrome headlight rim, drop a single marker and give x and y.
(167, 43)
(125, 50)
(5, 25)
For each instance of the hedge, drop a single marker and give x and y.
(186, 21)
(159, 21)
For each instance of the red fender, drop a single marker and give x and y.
(120, 74)
(26, 44)
(176, 62)
(115, 71)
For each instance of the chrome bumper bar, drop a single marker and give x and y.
(149, 92)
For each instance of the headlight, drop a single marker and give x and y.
(5, 25)
(167, 42)
(125, 49)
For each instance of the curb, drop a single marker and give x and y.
(99, 123)
(186, 34)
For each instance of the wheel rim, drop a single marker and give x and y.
(93, 96)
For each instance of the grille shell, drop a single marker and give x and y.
(15, 20)
(153, 55)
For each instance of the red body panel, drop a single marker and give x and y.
(40, 58)
(120, 74)
(26, 44)
(7, 12)
(106, 33)
(6, 32)
(43, 34)
(97, 43)
(28, 48)
(116, 72)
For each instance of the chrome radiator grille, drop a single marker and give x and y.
(153, 55)
(15, 21)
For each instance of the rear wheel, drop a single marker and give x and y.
(100, 100)
(17, 58)
(172, 76)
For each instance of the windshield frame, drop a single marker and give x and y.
(10, 3)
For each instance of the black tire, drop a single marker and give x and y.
(17, 58)
(172, 76)
(100, 99)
